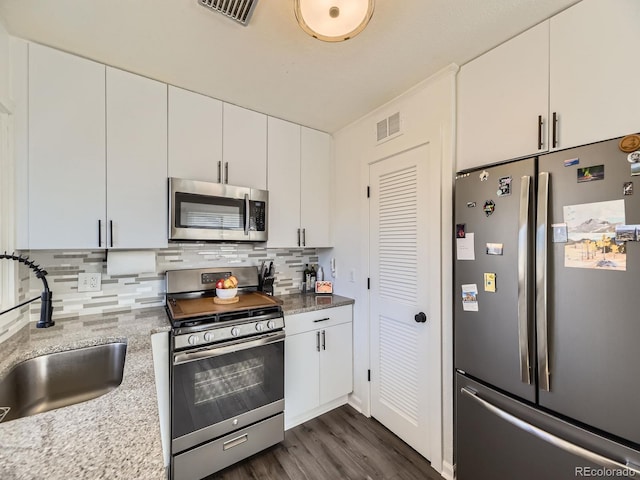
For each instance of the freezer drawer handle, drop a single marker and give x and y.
(523, 275)
(550, 438)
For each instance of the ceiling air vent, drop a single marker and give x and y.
(238, 10)
(388, 128)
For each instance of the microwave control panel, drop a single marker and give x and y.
(257, 217)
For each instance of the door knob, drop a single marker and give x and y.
(421, 317)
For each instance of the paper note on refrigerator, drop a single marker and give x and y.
(465, 249)
(591, 236)
(470, 297)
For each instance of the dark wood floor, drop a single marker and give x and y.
(341, 444)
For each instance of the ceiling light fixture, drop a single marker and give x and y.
(333, 20)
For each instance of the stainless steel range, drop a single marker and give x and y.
(227, 377)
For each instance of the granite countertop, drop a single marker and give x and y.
(115, 436)
(309, 302)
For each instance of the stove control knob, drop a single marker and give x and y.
(193, 339)
(259, 327)
(235, 332)
(208, 336)
(271, 324)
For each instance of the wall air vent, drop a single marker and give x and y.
(238, 10)
(388, 128)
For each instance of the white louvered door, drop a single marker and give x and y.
(405, 201)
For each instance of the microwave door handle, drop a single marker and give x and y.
(247, 206)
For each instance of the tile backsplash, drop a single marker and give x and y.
(121, 293)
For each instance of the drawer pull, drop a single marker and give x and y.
(235, 442)
(322, 320)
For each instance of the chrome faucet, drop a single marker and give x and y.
(46, 310)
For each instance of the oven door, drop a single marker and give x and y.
(212, 211)
(220, 389)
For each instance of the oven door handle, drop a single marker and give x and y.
(180, 358)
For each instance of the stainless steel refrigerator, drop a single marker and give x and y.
(547, 317)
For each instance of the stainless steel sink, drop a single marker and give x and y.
(60, 379)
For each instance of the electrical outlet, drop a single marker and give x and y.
(352, 275)
(89, 282)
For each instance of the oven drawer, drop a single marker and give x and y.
(214, 456)
(324, 318)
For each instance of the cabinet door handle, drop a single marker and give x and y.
(304, 237)
(555, 130)
(111, 232)
(324, 338)
(99, 233)
(219, 171)
(540, 124)
(298, 237)
(318, 341)
(322, 320)
(226, 172)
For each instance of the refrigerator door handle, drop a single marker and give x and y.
(551, 438)
(541, 281)
(523, 275)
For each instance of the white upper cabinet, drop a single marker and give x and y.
(315, 188)
(97, 155)
(299, 186)
(195, 136)
(244, 147)
(284, 183)
(573, 72)
(503, 101)
(67, 197)
(136, 161)
(594, 73)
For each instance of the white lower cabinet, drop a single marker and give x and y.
(318, 363)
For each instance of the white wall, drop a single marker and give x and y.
(427, 112)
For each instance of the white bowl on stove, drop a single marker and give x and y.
(226, 293)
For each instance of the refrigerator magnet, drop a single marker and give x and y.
(489, 207)
(627, 188)
(630, 143)
(635, 169)
(484, 176)
(627, 233)
(591, 174)
(470, 297)
(460, 230)
(494, 249)
(490, 282)
(634, 157)
(504, 186)
(471, 204)
(560, 234)
(571, 161)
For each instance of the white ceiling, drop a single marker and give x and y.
(271, 65)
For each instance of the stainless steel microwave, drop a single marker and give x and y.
(204, 211)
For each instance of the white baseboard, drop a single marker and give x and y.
(448, 471)
(356, 403)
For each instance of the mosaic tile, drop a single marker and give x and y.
(123, 293)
